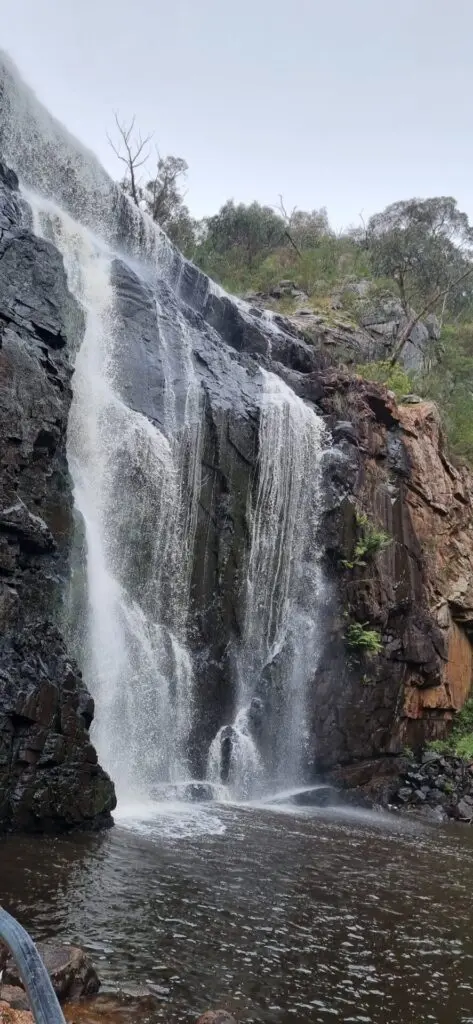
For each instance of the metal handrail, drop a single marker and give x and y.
(35, 978)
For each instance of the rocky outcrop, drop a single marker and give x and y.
(49, 776)
(439, 785)
(368, 335)
(390, 463)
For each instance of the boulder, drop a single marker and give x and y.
(14, 996)
(72, 973)
(464, 809)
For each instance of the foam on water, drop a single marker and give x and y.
(169, 819)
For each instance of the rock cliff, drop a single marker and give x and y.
(49, 776)
(416, 593)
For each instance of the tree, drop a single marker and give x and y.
(252, 231)
(162, 195)
(305, 228)
(131, 149)
(426, 246)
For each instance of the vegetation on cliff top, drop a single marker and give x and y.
(416, 254)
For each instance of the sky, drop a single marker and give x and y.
(348, 104)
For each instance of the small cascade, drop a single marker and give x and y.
(278, 654)
(234, 759)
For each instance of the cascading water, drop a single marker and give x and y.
(135, 451)
(284, 589)
(136, 490)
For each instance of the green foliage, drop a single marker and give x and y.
(450, 384)
(395, 378)
(369, 543)
(463, 723)
(460, 741)
(464, 746)
(250, 248)
(364, 639)
(424, 246)
(439, 746)
(248, 232)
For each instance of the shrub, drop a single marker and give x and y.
(395, 378)
(364, 639)
(369, 543)
(460, 741)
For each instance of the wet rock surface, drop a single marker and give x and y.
(49, 776)
(72, 974)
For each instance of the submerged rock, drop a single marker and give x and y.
(199, 792)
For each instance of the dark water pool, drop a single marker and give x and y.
(279, 916)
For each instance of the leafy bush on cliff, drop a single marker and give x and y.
(425, 246)
(395, 378)
(364, 639)
(460, 741)
(369, 543)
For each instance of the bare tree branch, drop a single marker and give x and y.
(288, 221)
(134, 155)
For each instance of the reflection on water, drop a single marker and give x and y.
(281, 916)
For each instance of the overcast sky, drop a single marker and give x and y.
(348, 104)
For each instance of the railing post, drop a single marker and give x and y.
(35, 978)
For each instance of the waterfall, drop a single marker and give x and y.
(136, 448)
(278, 654)
(136, 490)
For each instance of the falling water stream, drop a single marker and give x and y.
(136, 491)
(284, 591)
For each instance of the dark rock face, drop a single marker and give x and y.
(439, 786)
(49, 776)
